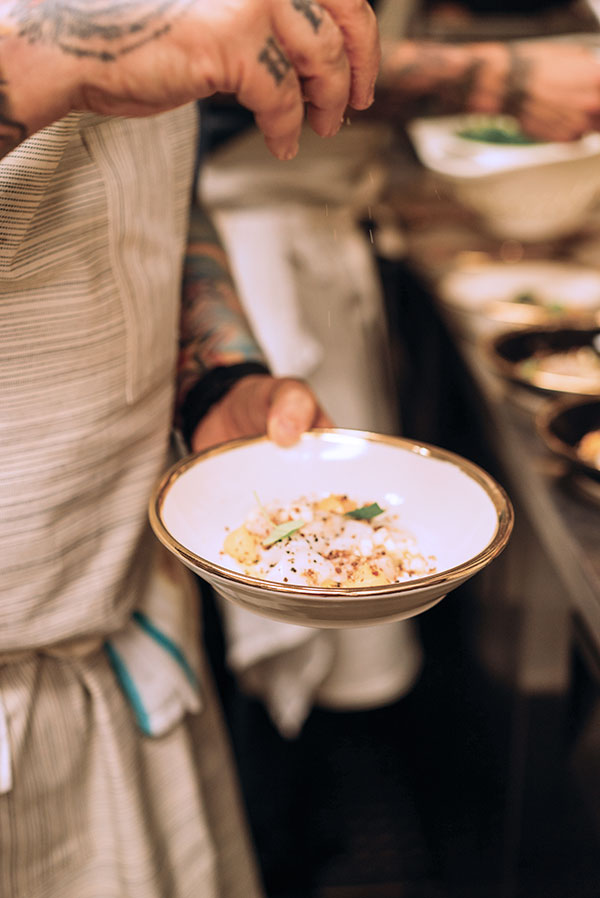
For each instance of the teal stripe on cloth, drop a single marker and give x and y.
(129, 687)
(171, 647)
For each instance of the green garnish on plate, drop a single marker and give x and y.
(526, 298)
(497, 136)
(282, 531)
(497, 131)
(365, 512)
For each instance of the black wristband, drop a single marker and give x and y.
(209, 389)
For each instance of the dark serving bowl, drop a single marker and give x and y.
(517, 354)
(562, 425)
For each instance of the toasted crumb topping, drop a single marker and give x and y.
(326, 547)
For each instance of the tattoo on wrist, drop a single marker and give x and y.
(273, 57)
(311, 11)
(12, 133)
(93, 28)
(516, 91)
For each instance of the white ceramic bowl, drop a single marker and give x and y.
(481, 297)
(455, 510)
(531, 192)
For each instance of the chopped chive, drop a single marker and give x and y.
(281, 531)
(365, 512)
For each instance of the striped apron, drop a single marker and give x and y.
(93, 219)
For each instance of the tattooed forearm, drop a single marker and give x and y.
(94, 28)
(435, 78)
(443, 75)
(11, 133)
(446, 77)
(460, 92)
(213, 330)
(422, 71)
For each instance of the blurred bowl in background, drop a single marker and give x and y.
(524, 191)
(571, 429)
(483, 298)
(551, 360)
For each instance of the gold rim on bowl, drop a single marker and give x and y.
(499, 497)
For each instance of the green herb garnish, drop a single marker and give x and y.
(281, 531)
(365, 512)
(497, 134)
(526, 298)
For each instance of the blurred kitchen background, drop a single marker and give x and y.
(479, 776)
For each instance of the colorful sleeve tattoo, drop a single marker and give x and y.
(214, 330)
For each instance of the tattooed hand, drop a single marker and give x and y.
(553, 89)
(138, 57)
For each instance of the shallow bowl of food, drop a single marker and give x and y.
(483, 298)
(550, 360)
(387, 526)
(571, 429)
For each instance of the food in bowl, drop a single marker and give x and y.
(570, 427)
(554, 359)
(327, 541)
(588, 448)
(481, 296)
(455, 510)
(578, 361)
(531, 298)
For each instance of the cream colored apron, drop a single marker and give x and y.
(93, 217)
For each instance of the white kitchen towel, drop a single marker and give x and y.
(156, 656)
(258, 243)
(283, 665)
